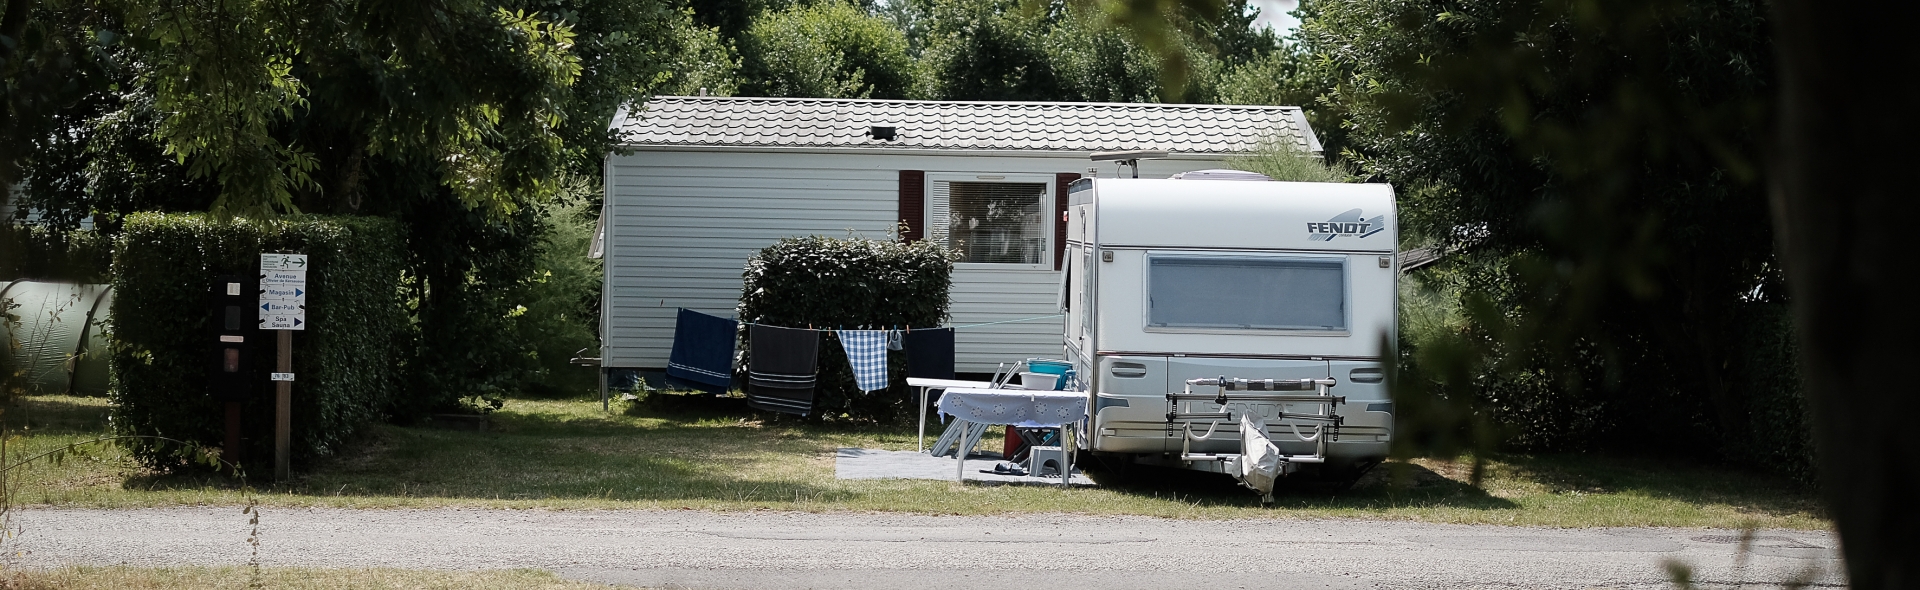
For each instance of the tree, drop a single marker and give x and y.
(1065, 51)
(626, 48)
(730, 18)
(1165, 27)
(1098, 62)
(285, 101)
(456, 118)
(50, 58)
(986, 50)
(99, 160)
(1291, 76)
(706, 63)
(831, 49)
(1843, 127)
(1605, 169)
(1231, 36)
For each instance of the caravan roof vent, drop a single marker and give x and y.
(1219, 174)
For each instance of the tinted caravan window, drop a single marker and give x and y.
(1251, 293)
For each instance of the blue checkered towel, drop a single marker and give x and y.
(867, 351)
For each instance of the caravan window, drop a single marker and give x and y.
(992, 222)
(1247, 293)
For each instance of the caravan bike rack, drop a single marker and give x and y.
(1326, 427)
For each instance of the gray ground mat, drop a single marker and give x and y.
(878, 464)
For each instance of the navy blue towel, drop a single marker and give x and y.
(781, 374)
(930, 353)
(702, 355)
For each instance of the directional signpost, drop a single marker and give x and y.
(283, 291)
(283, 308)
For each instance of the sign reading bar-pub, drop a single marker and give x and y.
(283, 291)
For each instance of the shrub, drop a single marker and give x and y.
(835, 283)
(1280, 161)
(1456, 369)
(1766, 367)
(561, 303)
(469, 273)
(347, 360)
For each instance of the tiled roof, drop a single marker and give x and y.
(1049, 126)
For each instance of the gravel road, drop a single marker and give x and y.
(781, 550)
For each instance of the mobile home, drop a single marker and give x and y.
(701, 183)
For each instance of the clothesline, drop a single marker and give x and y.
(810, 327)
(782, 374)
(1038, 317)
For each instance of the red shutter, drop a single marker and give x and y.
(913, 204)
(1060, 183)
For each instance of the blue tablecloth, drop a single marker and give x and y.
(1015, 407)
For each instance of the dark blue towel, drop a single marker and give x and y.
(782, 372)
(930, 353)
(702, 355)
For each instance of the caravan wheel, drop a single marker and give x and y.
(1342, 476)
(1107, 468)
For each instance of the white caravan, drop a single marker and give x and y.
(1205, 315)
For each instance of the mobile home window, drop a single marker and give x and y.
(1248, 293)
(991, 222)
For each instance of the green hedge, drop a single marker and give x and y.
(35, 252)
(348, 360)
(832, 283)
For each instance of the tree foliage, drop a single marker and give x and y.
(830, 49)
(986, 50)
(1596, 167)
(283, 100)
(1098, 62)
(457, 118)
(50, 57)
(1068, 51)
(706, 64)
(626, 49)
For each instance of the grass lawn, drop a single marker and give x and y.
(685, 452)
(195, 578)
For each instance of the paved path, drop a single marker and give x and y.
(778, 550)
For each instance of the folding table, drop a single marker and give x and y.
(1017, 407)
(930, 384)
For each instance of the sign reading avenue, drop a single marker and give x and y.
(283, 291)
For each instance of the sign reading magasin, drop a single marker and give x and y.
(283, 291)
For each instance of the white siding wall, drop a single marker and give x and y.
(683, 222)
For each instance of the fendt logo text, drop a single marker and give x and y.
(1338, 227)
(1349, 224)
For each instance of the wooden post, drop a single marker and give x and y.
(230, 448)
(283, 409)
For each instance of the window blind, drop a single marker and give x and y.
(990, 222)
(1247, 293)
